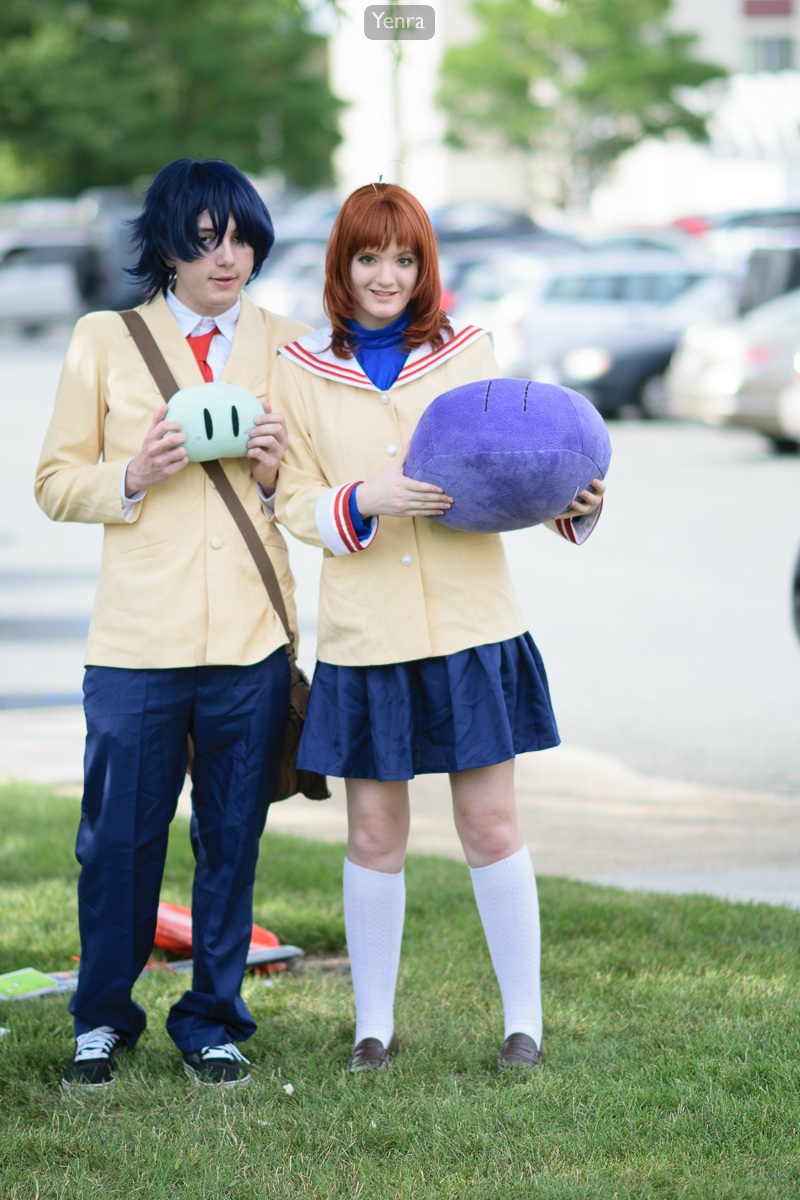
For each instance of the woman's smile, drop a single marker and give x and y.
(383, 282)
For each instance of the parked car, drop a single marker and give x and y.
(43, 272)
(742, 373)
(292, 283)
(603, 324)
(733, 236)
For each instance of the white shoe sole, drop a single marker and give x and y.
(225, 1083)
(70, 1086)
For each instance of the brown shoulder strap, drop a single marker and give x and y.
(165, 380)
(148, 348)
(254, 544)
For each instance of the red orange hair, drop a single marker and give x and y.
(371, 218)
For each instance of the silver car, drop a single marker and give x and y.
(742, 372)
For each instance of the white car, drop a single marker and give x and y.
(566, 319)
(743, 373)
(40, 276)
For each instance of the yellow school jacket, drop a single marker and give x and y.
(413, 588)
(177, 587)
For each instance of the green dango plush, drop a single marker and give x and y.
(216, 418)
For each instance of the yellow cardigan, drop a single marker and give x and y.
(177, 587)
(418, 589)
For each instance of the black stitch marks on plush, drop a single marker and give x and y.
(525, 399)
(209, 424)
(486, 397)
(235, 421)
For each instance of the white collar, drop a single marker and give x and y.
(192, 324)
(313, 352)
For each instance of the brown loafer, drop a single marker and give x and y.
(518, 1053)
(371, 1055)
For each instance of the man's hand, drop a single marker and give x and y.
(162, 455)
(585, 502)
(392, 494)
(267, 446)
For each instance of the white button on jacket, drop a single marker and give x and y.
(391, 451)
(406, 560)
(384, 398)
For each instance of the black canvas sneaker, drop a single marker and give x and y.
(92, 1064)
(217, 1066)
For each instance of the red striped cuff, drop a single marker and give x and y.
(576, 529)
(335, 524)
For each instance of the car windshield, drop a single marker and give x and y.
(655, 288)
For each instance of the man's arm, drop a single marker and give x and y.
(72, 484)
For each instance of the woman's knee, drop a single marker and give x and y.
(378, 823)
(489, 835)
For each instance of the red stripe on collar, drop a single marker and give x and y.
(430, 360)
(306, 358)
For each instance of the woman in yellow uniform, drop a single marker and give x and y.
(424, 662)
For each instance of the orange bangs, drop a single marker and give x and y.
(371, 218)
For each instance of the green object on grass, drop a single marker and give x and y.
(217, 419)
(25, 982)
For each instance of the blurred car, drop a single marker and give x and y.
(604, 324)
(292, 283)
(43, 271)
(107, 213)
(742, 373)
(733, 236)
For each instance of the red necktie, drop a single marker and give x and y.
(200, 351)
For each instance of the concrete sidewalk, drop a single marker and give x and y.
(584, 814)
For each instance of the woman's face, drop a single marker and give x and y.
(383, 282)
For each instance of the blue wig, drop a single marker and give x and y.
(167, 225)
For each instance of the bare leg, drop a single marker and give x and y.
(485, 813)
(374, 899)
(378, 821)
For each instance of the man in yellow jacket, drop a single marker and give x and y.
(183, 639)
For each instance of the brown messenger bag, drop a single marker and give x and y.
(289, 781)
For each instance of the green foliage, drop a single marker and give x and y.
(671, 1050)
(100, 92)
(578, 81)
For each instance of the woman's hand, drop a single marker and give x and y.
(162, 455)
(392, 494)
(585, 502)
(267, 446)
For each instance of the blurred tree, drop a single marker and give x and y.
(578, 81)
(98, 92)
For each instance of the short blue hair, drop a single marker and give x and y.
(167, 225)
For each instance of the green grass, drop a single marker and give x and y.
(671, 1050)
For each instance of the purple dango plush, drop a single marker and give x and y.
(510, 452)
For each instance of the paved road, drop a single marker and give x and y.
(667, 637)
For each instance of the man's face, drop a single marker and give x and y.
(210, 284)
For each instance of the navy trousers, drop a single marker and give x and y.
(137, 722)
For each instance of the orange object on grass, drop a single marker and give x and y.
(174, 933)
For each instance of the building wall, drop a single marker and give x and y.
(728, 28)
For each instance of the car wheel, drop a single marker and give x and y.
(652, 397)
(783, 445)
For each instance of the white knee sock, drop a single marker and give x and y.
(508, 905)
(374, 910)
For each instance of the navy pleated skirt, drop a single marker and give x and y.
(454, 713)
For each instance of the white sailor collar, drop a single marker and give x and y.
(313, 352)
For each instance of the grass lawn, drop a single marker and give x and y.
(671, 1049)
